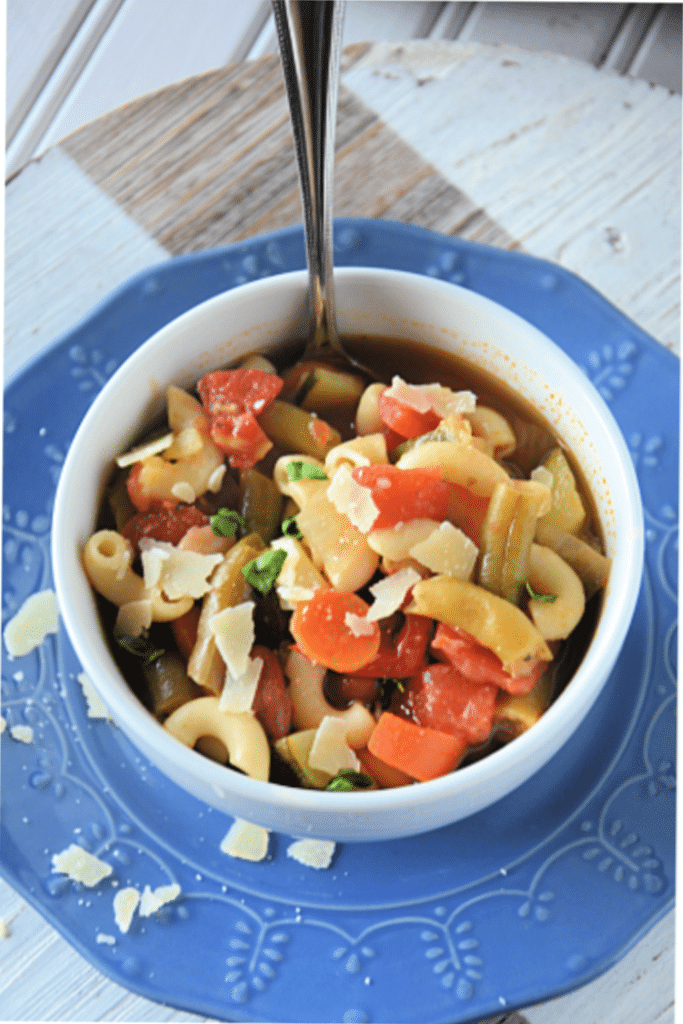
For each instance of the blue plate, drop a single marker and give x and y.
(528, 899)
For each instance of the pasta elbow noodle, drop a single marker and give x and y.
(368, 419)
(310, 706)
(361, 451)
(242, 734)
(550, 574)
(107, 559)
(458, 463)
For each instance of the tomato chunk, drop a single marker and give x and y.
(440, 697)
(404, 420)
(233, 399)
(421, 753)
(165, 524)
(272, 704)
(404, 656)
(404, 494)
(230, 392)
(479, 663)
(326, 631)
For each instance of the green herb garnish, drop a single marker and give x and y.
(545, 598)
(290, 528)
(347, 780)
(226, 522)
(298, 469)
(141, 646)
(263, 570)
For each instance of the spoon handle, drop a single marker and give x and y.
(309, 35)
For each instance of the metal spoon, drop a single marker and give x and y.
(309, 35)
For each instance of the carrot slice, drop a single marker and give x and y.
(327, 631)
(421, 753)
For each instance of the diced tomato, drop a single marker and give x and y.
(440, 697)
(230, 392)
(479, 663)
(403, 419)
(165, 524)
(184, 630)
(404, 494)
(233, 399)
(241, 438)
(272, 704)
(404, 656)
(324, 632)
(467, 511)
(421, 753)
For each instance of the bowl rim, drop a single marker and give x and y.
(149, 733)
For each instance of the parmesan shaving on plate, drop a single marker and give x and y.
(330, 751)
(245, 841)
(312, 853)
(102, 939)
(352, 499)
(125, 905)
(151, 901)
(38, 616)
(96, 706)
(425, 397)
(80, 866)
(175, 572)
(22, 733)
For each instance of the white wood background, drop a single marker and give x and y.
(69, 61)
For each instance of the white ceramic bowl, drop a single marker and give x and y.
(379, 302)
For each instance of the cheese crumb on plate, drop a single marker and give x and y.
(245, 841)
(125, 905)
(80, 865)
(38, 616)
(312, 853)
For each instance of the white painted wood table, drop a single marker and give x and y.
(528, 151)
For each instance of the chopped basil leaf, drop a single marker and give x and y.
(263, 570)
(347, 780)
(545, 598)
(140, 646)
(298, 469)
(225, 522)
(290, 528)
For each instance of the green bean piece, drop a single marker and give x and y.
(292, 429)
(120, 504)
(506, 538)
(590, 565)
(168, 684)
(260, 504)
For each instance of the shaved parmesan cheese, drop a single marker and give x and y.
(425, 397)
(102, 939)
(312, 853)
(133, 618)
(22, 733)
(96, 706)
(298, 578)
(391, 592)
(233, 630)
(329, 751)
(38, 616)
(150, 901)
(184, 492)
(80, 865)
(176, 572)
(238, 693)
(144, 451)
(245, 841)
(125, 905)
(216, 478)
(447, 550)
(186, 443)
(352, 499)
(359, 625)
